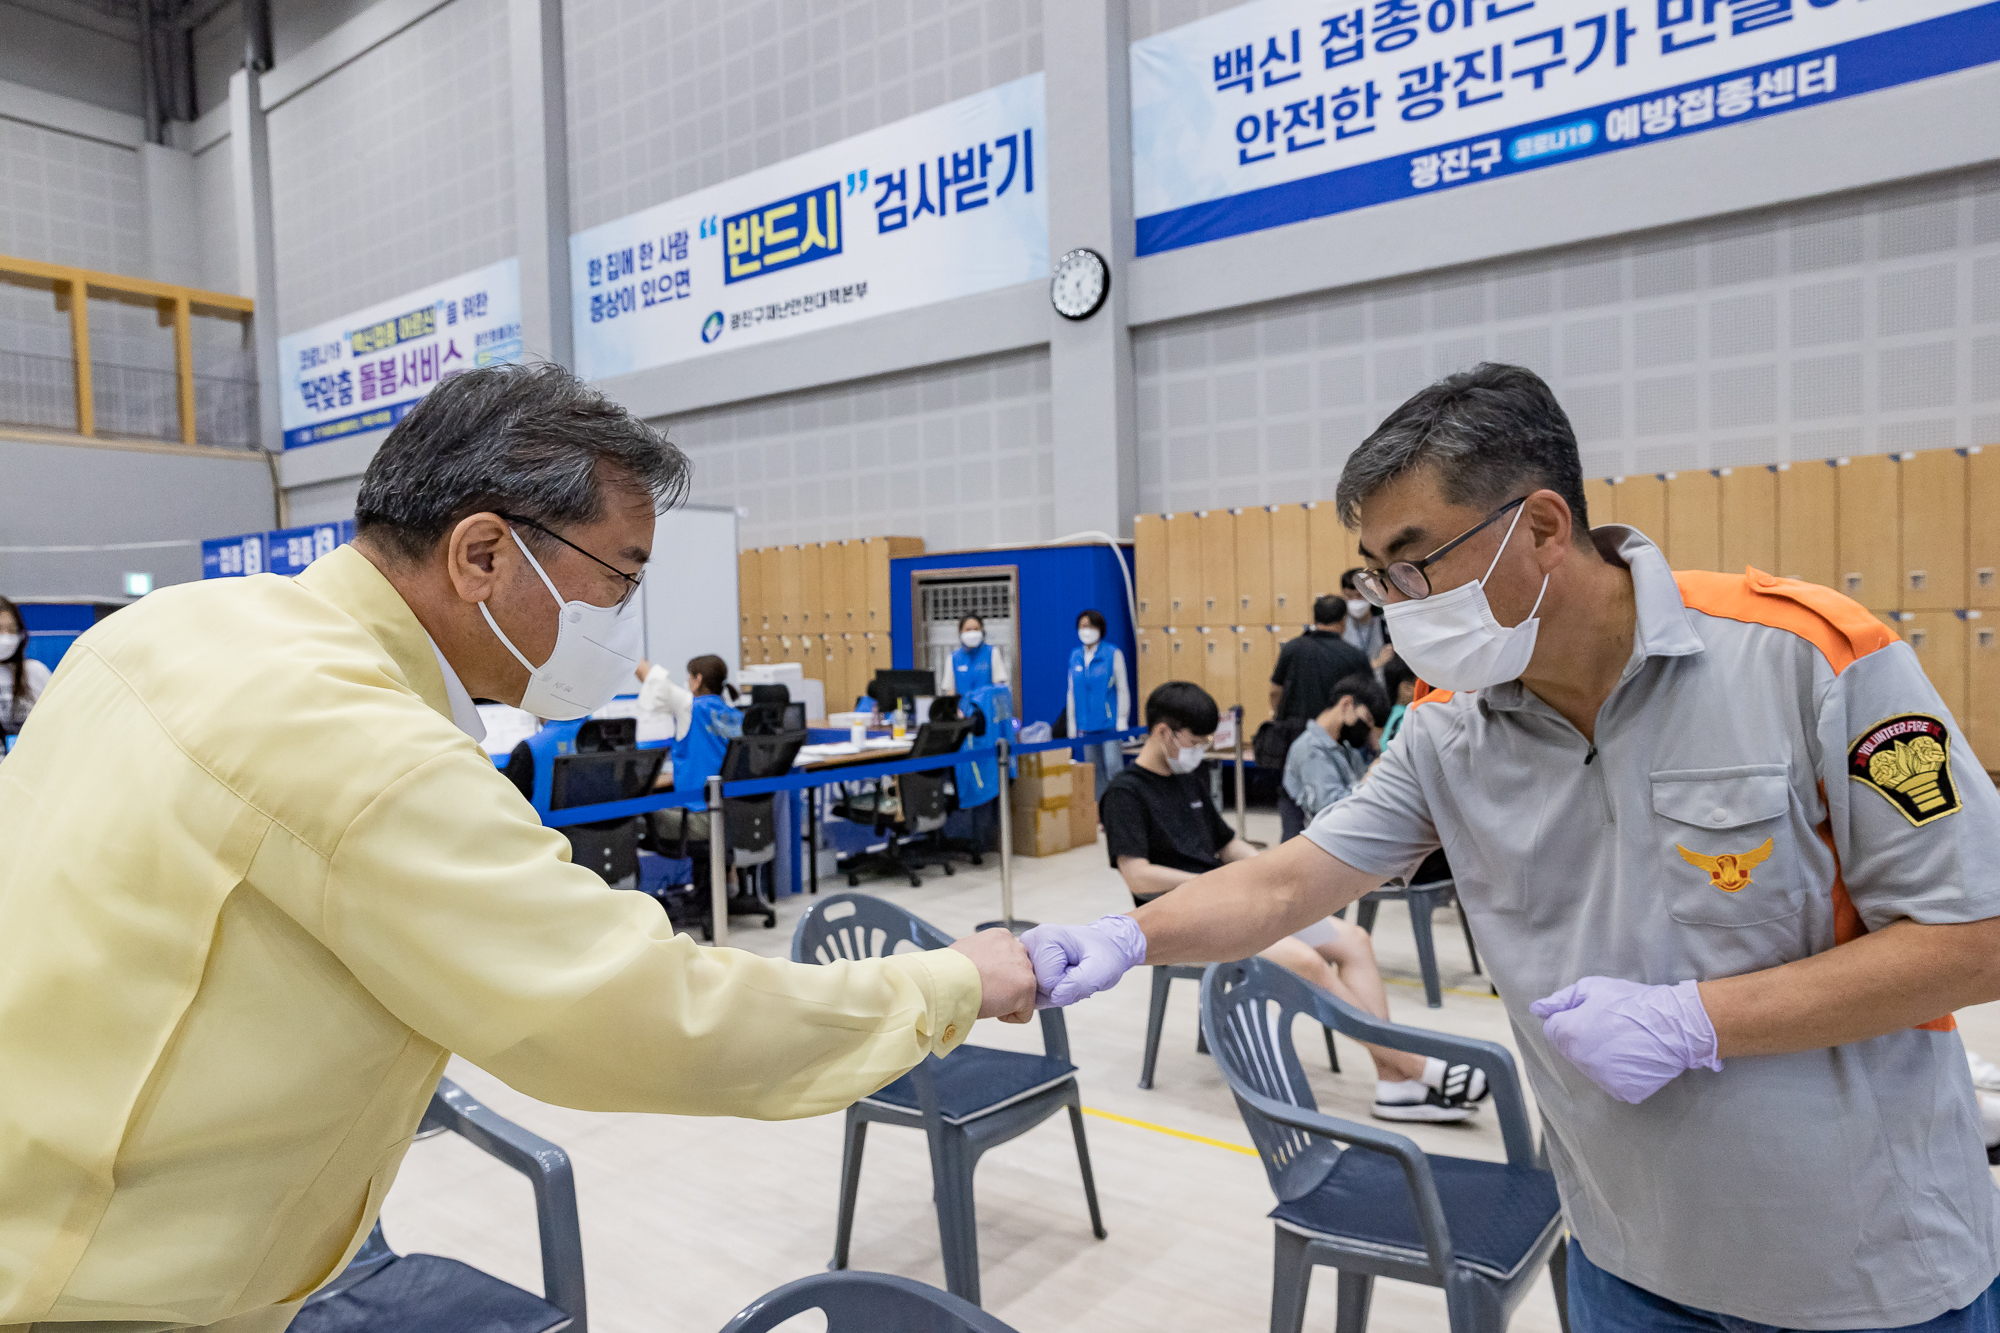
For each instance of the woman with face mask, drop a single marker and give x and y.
(702, 737)
(1099, 697)
(975, 663)
(22, 678)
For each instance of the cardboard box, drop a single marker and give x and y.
(1083, 806)
(1041, 832)
(1040, 798)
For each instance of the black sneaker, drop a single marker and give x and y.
(1464, 1087)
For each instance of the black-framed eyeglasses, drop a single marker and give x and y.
(632, 581)
(1408, 576)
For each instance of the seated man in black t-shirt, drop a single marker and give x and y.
(1162, 830)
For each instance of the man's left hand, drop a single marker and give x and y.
(1629, 1039)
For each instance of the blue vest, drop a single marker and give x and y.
(698, 755)
(971, 668)
(1093, 688)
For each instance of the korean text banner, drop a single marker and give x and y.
(1282, 110)
(364, 371)
(946, 203)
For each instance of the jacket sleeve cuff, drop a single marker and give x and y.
(950, 985)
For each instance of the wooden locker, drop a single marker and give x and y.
(812, 588)
(1183, 659)
(833, 587)
(750, 653)
(1149, 568)
(1253, 566)
(1150, 643)
(1218, 665)
(1600, 499)
(1808, 523)
(875, 591)
(1291, 576)
(1982, 534)
(875, 656)
(1932, 524)
(1865, 537)
(1642, 504)
(1327, 554)
(1938, 639)
(1749, 514)
(1183, 569)
(750, 591)
(1257, 653)
(1218, 566)
(783, 609)
(1694, 521)
(854, 583)
(1981, 719)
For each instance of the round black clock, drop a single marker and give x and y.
(1080, 283)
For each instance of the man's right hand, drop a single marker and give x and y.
(1006, 979)
(1075, 962)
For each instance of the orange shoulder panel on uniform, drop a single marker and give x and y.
(1427, 694)
(1836, 625)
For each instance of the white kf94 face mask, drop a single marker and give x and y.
(1451, 640)
(1088, 634)
(1188, 758)
(597, 649)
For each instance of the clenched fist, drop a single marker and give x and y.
(1006, 977)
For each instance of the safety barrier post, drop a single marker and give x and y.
(718, 865)
(1006, 839)
(1242, 816)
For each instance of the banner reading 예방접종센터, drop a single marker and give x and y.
(1283, 110)
(364, 371)
(942, 204)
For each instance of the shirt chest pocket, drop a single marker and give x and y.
(1726, 853)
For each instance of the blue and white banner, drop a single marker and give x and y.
(285, 551)
(943, 204)
(1283, 110)
(366, 370)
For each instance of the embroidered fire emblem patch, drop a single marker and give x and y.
(1906, 759)
(1730, 871)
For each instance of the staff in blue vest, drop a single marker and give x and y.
(1099, 698)
(975, 663)
(698, 750)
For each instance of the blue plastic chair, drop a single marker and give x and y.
(381, 1291)
(1369, 1202)
(973, 1099)
(866, 1303)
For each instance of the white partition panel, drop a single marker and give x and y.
(690, 588)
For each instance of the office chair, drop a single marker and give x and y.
(1368, 1202)
(750, 826)
(866, 1303)
(906, 808)
(974, 1099)
(381, 1291)
(591, 762)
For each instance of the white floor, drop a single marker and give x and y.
(686, 1220)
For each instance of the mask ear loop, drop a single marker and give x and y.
(1496, 564)
(550, 585)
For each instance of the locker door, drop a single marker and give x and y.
(1932, 521)
(1749, 510)
(875, 656)
(1149, 567)
(875, 587)
(833, 588)
(1183, 658)
(786, 611)
(1147, 641)
(1642, 504)
(768, 581)
(1291, 579)
(1808, 523)
(749, 591)
(751, 651)
(812, 588)
(1257, 651)
(1600, 499)
(1982, 534)
(1218, 658)
(1865, 538)
(1326, 556)
(1981, 719)
(855, 557)
(1253, 566)
(1694, 520)
(1938, 639)
(1183, 570)
(1218, 566)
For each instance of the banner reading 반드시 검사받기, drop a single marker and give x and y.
(1282, 110)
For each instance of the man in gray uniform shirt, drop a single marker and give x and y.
(1732, 863)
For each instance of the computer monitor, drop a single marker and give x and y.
(600, 776)
(910, 686)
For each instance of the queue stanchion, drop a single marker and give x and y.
(1006, 839)
(718, 866)
(1242, 805)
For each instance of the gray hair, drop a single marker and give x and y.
(1493, 433)
(531, 440)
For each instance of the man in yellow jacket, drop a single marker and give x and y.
(259, 882)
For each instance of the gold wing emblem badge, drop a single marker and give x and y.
(1729, 872)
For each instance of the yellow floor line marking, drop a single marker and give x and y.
(1171, 1133)
(1448, 990)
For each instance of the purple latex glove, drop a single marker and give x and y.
(1075, 962)
(1630, 1039)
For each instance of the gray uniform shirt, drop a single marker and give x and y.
(1772, 775)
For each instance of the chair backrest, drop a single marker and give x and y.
(854, 925)
(866, 1303)
(1247, 1010)
(770, 694)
